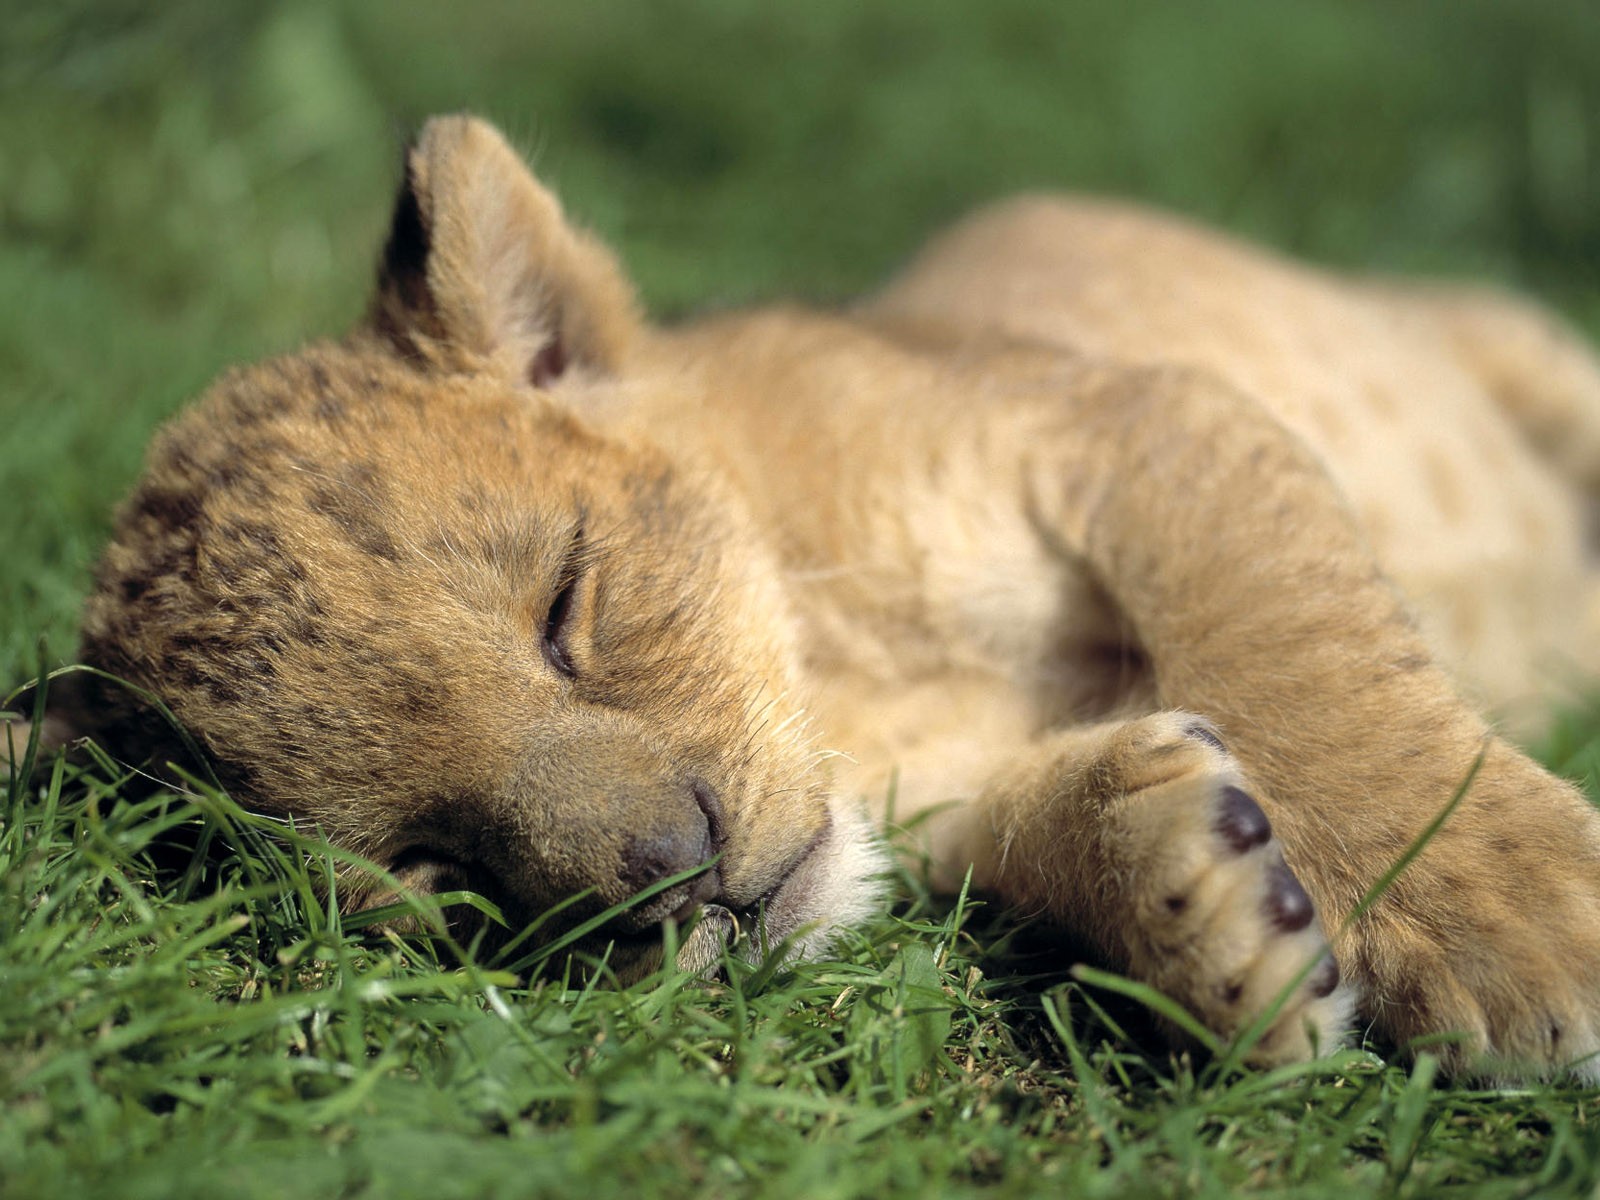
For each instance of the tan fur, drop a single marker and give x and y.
(1089, 527)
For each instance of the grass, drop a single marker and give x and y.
(192, 183)
(232, 1037)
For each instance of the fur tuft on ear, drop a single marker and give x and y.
(482, 272)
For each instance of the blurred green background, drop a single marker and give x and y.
(187, 183)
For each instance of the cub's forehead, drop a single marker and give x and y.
(329, 474)
(367, 450)
(327, 406)
(356, 470)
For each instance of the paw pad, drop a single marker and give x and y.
(1324, 978)
(1287, 902)
(1240, 821)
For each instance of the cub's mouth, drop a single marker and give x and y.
(836, 882)
(756, 929)
(831, 883)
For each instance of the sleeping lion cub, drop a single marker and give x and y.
(1168, 579)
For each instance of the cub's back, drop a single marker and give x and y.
(1434, 444)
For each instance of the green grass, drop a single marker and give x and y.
(229, 1036)
(186, 184)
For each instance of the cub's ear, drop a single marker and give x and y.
(482, 272)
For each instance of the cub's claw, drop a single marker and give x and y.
(702, 950)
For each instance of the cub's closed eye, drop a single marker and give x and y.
(558, 630)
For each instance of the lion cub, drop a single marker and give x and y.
(1166, 575)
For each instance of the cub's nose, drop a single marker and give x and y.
(691, 837)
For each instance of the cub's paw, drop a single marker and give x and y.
(1486, 949)
(1212, 914)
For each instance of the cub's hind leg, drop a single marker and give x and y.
(1546, 380)
(1143, 838)
(1537, 369)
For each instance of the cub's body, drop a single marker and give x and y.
(1462, 427)
(886, 455)
(1087, 534)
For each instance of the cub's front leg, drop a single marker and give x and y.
(1237, 568)
(1142, 837)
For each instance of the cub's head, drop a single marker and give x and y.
(412, 589)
